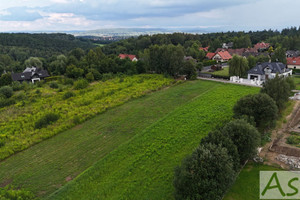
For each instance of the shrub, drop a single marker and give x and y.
(206, 174)
(67, 81)
(46, 120)
(9, 193)
(293, 139)
(68, 95)
(16, 86)
(80, 84)
(209, 62)
(53, 85)
(6, 102)
(6, 91)
(90, 77)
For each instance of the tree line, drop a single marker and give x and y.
(213, 166)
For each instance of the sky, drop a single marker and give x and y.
(223, 15)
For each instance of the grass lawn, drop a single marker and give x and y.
(47, 166)
(142, 168)
(297, 81)
(224, 72)
(246, 186)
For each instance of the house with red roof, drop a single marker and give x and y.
(293, 62)
(131, 57)
(210, 55)
(262, 46)
(222, 56)
(204, 48)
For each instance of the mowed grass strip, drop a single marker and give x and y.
(143, 167)
(47, 166)
(246, 186)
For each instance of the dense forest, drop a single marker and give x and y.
(63, 54)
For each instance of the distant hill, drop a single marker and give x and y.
(129, 32)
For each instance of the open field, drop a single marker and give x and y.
(142, 168)
(246, 186)
(18, 128)
(46, 166)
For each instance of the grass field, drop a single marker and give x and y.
(142, 168)
(246, 186)
(17, 122)
(297, 81)
(44, 167)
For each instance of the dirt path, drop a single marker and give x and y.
(278, 143)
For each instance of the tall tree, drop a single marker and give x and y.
(238, 66)
(279, 89)
(33, 61)
(279, 55)
(206, 174)
(261, 107)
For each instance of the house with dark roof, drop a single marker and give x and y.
(293, 62)
(31, 74)
(131, 57)
(264, 71)
(292, 53)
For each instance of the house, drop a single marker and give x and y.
(210, 55)
(131, 57)
(264, 71)
(262, 46)
(239, 52)
(291, 53)
(222, 56)
(30, 74)
(204, 48)
(293, 63)
(228, 45)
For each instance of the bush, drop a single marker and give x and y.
(6, 91)
(81, 84)
(67, 81)
(206, 174)
(53, 85)
(68, 95)
(209, 62)
(293, 139)
(16, 86)
(9, 193)
(90, 77)
(46, 120)
(6, 102)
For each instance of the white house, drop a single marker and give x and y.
(265, 71)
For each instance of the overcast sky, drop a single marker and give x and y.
(65, 15)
